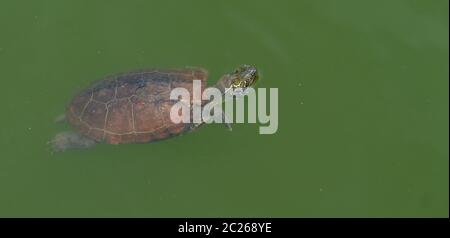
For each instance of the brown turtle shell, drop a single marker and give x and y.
(132, 107)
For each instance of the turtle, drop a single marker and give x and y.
(134, 107)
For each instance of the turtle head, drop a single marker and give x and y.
(244, 76)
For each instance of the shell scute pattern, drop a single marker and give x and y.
(131, 107)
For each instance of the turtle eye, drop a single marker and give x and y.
(236, 84)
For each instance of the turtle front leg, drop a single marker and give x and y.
(224, 119)
(70, 140)
(208, 118)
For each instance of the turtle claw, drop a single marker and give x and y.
(228, 125)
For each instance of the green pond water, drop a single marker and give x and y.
(363, 109)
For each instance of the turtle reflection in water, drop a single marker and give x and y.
(134, 107)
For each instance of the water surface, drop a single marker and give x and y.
(363, 109)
